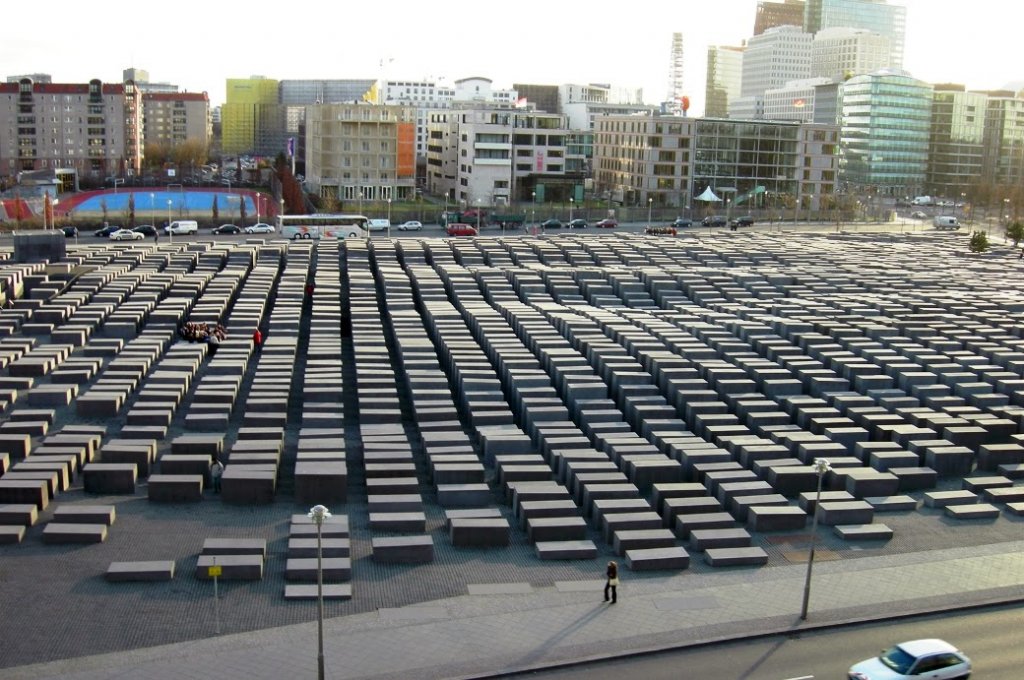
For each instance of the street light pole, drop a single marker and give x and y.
(318, 514)
(533, 209)
(650, 204)
(389, 218)
(821, 466)
(571, 201)
(170, 232)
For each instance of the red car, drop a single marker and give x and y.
(607, 223)
(461, 229)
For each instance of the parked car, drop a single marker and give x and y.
(260, 228)
(70, 232)
(682, 223)
(411, 225)
(182, 227)
(915, 659)
(228, 229)
(461, 229)
(106, 230)
(607, 223)
(126, 235)
(551, 224)
(745, 221)
(714, 221)
(577, 223)
(145, 229)
(919, 215)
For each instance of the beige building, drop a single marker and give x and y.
(175, 117)
(360, 152)
(666, 161)
(92, 128)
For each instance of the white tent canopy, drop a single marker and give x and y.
(708, 196)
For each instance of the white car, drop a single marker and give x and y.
(411, 225)
(260, 228)
(915, 659)
(126, 235)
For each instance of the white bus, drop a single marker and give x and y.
(322, 226)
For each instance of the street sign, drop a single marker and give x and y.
(214, 571)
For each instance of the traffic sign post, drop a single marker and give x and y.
(214, 572)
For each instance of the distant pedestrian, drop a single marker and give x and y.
(214, 342)
(1021, 256)
(156, 236)
(309, 290)
(216, 472)
(612, 582)
(257, 339)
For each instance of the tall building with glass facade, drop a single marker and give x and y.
(772, 14)
(886, 123)
(956, 145)
(250, 107)
(876, 16)
(724, 75)
(1004, 140)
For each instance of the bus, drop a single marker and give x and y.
(323, 226)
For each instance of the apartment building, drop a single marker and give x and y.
(93, 129)
(171, 119)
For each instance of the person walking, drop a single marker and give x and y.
(612, 582)
(257, 340)
(216, 472)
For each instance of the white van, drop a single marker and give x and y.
(379, 225)
(182, 227)
(946, 222)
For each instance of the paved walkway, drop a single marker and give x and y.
(501, 628)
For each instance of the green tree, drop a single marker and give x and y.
(1015, 232)
(131, 210)
(979, 242)
(103, 209)
(214, 210)
(241, 209)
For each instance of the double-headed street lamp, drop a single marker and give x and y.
(319, 514)
(821, 466)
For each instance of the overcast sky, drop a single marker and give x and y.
(198, 45)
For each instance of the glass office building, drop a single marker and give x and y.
(886, 121)
(876, 16)
(956, 147)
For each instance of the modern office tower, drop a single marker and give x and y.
(772, 14)
(359, 152)
(250, 110)
(839, 53)
(1004, 140)
(541, 97)
(668, 160)
(488, 156)
(956, 144)
(90, 129)
(724, 76)
(308, 92)
(774, 58)
(794, 101)
(675, 93)
(171, 119)
(886, 121)
(876, 16)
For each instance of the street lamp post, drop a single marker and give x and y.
(53, 213)
(152, 209)
(571, 201)
(318, 514)
(170, 233)
(389, 218)
(650, 205)
(821, 466)
(280, 214)
(533, 209)
(478, 209)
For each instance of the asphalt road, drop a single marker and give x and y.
(991, 637)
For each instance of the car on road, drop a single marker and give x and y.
(714, 221)
(919, 215)
(106, 230)
(70, 232)
(411, 225)
(577, 223)
(607, 223)
(682, 223)
(260, 228)
(182, 227)
(932, 658)
(744, 221)
(145, 229)
(228, 229)
(551, 224)
(461, 229)
(126, 235)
